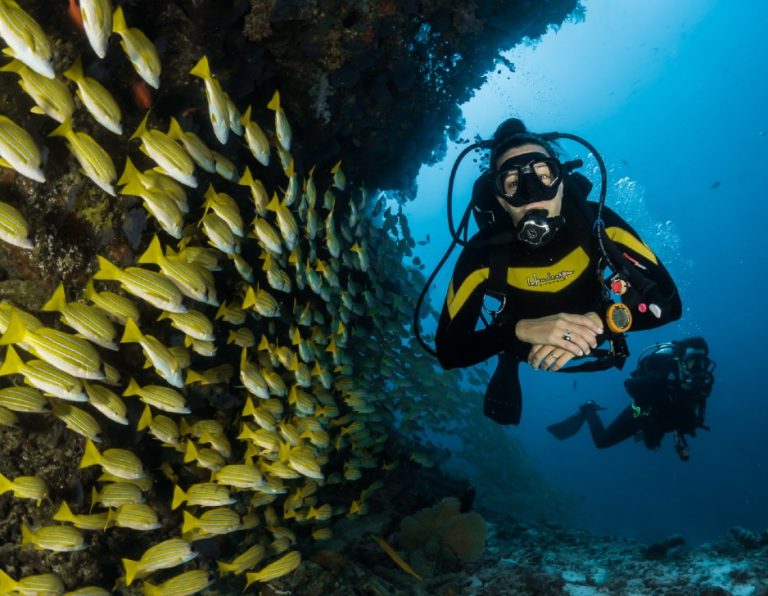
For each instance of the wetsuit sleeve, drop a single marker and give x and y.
(458, 340)
(642, 261)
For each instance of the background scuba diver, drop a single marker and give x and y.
(669, 389)
(536, 254)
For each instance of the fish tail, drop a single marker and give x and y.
(132, 389)
(245, 119)
(107, 270)
(64, 513)
(179, 496)
(174, 130)
(13, 66)
(232, 337)
(154, 252)
(57, 302)
(249, 300)
(150, 590)
(142, 127)
(274, 204)
(5, 486)
(131, 334)
(195, 377)
(190, 522)
(274, 103)
(249, 409)
(95, 497)
(202, 69)
(190, 452)
(63, 130)
(131, 568)
(16, 330)
(247, 178)
(91, 455)
(119, 25)
(12, 364)
(225, 567)
(75, 72)
(7, 584)
(130, 173)
(145, 420)
(27, 537)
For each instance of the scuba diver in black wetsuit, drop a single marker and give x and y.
(669, 390)
(552, 264)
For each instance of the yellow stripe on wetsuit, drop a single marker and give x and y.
(625, 238)
(550, 278)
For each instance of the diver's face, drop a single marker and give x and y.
(552, 206)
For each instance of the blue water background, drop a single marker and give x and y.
(674, 96)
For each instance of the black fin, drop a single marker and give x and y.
(503, 401)
(568, 427)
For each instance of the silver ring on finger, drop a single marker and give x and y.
(567, 336)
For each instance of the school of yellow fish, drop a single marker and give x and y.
(318, 313)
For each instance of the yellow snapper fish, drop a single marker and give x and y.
(192, 323)
(217, 101)
(172, 158)
(77, 420)
(194, 145)
(66, 352)
(279, 568)
(152, 287)
(282, 126)
(252, 378)
(233, 116)
(220, 520)
(243, 268)
(94, 521)
(136, 516)
(14, 229)
(87, 320)
(8, 417)
(166, 554)
(106, 402)
(226, 208)
(243, 337)
(163, 428)
(239, 476)
(24, 399)
(256, 139)
(51, 96)
(18, 150)
(25, 487)
(95, 97)
(262, 302)
(258, 192)
(56, 538)
(339, 179)
(162, 398)
(163, 184)
(120, 462)
(158, 203)
(267, 235)
(117, 307)
(43, 376)
(25, 38)
(184, 584)
(97, 22)
(44, 583)
(188, 278)
(93, 159)
(140, 51)
(207, 458)
(225, 167)
(244, 561)
(205, 494)
(219, 234)
(285, 222)
(117, 494)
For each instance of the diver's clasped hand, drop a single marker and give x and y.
(556, 339)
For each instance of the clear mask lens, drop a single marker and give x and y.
(534, 180)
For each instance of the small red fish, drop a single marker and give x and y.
(142, 95)
(75, 15)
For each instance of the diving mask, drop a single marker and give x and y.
(528, 178)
